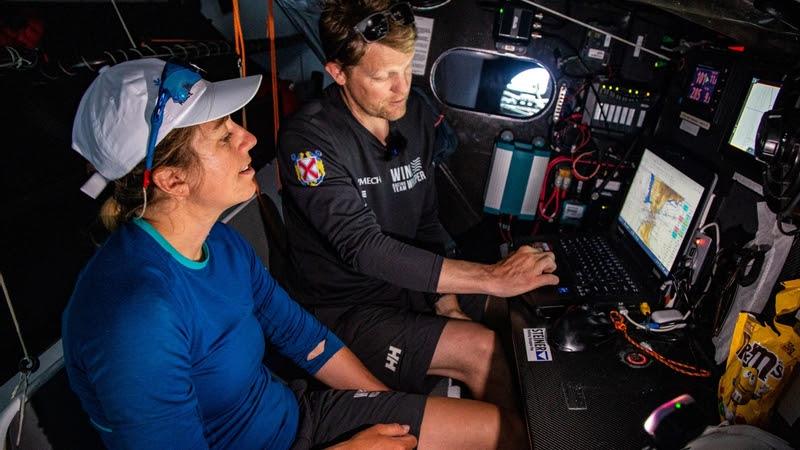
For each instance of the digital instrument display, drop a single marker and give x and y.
(703, 84)
(760, 98)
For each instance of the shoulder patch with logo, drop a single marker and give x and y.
(309, 168)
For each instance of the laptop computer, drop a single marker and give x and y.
(667, 199)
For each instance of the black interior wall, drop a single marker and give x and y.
(470, 24)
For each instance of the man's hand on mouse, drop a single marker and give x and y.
(524, 270)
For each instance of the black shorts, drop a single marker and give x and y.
(329, 417)
(396, 343)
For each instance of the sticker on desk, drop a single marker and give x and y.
(536, 346)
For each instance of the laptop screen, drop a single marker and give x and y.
(659, 208)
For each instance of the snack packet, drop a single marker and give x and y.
(761, 361)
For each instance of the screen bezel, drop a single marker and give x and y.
(742, 162)
(753, 81)
(698, 173)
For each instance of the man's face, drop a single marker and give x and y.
(379, 84)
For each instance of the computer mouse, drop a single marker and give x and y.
(580, 328)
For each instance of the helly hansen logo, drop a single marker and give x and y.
(405, 177)
(393, 358)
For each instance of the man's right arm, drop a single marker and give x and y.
(521, 272)
(335, 209)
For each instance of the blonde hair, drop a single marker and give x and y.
(345, 46)
(174, 150)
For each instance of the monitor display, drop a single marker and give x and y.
(703, 84)
(659, 208)
(760, 98)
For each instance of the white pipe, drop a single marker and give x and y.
(593, 28)
(6, 417)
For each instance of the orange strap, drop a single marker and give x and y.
(238, 36)
(686, 369)
(273, 64)
(273, 60)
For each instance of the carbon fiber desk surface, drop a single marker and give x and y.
(591, 399)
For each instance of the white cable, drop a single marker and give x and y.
(664, 329)
(669, 328)
(430, 8)
(14, 317)
(717, 246)
(144, 204)
(593, 28)
(633, 322)
(716, 230)
(23, 382)
(122, 21)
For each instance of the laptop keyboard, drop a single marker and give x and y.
(597, 269)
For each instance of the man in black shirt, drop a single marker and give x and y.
(360, 205)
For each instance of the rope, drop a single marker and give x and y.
(14, 317)
(238, 35)
(27, 365)
(122, 21)
(683, 368)
(273, 64)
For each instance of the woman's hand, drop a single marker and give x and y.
(383, 436)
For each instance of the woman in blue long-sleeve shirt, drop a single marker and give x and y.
(164, 334)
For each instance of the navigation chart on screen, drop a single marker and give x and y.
(659, 209)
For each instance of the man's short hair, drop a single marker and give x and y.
(343, 45)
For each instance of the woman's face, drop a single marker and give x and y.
(226, 176)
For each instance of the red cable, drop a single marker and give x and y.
(686, 369)
(543, 208)
(577, 174)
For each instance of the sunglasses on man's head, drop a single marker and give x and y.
(375, 26)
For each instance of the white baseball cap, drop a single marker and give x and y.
(113, 120)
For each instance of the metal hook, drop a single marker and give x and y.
(110, 56)
(171, 54)
(86, 63)
(123, 54)
(208, 50)
(16, 59)
(149, 48)
(197, 49)
(136, 50)
(45, 74)
(61, 66)
(185, 53)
